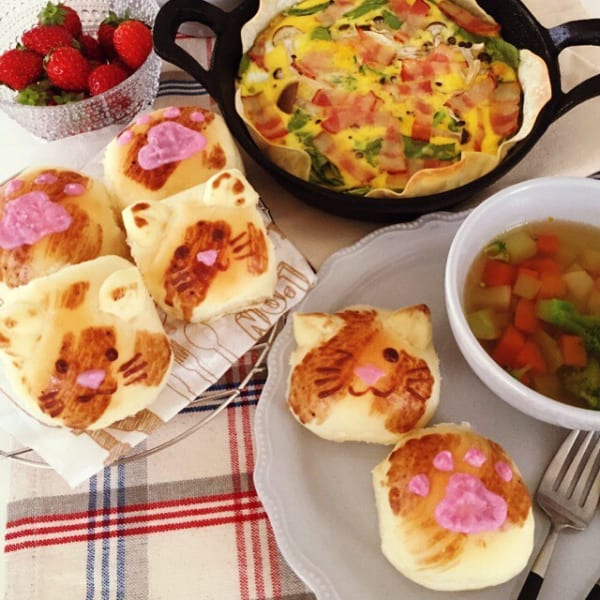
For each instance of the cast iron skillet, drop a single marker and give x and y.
(519, 27)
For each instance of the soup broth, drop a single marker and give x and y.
(532, 299)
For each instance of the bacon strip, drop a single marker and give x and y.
(469, 22)
(481, 91)
(264, 115)
(505, 107)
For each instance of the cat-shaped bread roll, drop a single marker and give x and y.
(204, 252)
(84, 347)
(51, 217)
(454, 512)
(166, 151)
(364, 373)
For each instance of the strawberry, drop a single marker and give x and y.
(43, 38)
(104, 77)
(105, 33)
(19, 67)
(133, 42)
(90, 47)
(67, 69)
(60, 14)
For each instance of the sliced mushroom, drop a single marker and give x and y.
(436, 29)
(287, 98)
(285, 36)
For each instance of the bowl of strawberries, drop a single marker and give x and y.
(78, 65)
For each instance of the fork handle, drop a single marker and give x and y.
(535, 579)
(594, 593)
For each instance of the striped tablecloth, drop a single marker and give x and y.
(184, 522)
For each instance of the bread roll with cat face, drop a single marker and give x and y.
(204, 252)
(363, 373)
(84, 347)
(454, 512)
(51, 217)
(167, 151)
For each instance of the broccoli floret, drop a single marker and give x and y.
(564, 315)
(583, 382)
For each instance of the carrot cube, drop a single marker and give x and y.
(547, 244)
(552, 285)
(573, 350)
(531, 357)
(508, 346)
(496, 272)
(525, 318)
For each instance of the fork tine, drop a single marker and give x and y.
(565, 486)
(567, 461)
(588, 486)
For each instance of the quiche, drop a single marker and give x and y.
(386, 97)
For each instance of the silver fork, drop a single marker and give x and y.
(568, 493)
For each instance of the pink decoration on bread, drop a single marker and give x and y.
(475, 457)
(14, 185)
(172, 112)
(443, 461)
(207, 257)
(169, 142)
(91, 378)
(469, 507)
(31, 217)
(74, 189)
(125, 137)
(46, 178)
(419, 485)
(197, 116)
(369, 374)
(504, 471)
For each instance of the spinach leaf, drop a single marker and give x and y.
(391, 20)
(496, 47)
(309, 10)
(370, 150)
(418, 149)
(298, 120)
(244, 64)
(320, 33)
(364, 8)
(322, 170)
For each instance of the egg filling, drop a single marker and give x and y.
(374, 91)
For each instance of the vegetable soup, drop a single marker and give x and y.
(532, 299)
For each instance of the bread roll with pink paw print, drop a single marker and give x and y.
(454, 512)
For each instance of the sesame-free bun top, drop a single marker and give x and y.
(84, 347)
(364, 373)
(454, 512)
(166, 151)
(51, 217)
(203, 252)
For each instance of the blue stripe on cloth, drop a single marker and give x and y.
(120, 538)
(106, 540)
(91, 548)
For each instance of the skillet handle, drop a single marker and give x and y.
(576, 33)
(225, 25)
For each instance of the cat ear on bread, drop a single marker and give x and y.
(228, 188)
(123, 293)
(413, 324)
(145, 221)
(310, 328)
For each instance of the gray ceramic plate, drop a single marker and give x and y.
(318, 494)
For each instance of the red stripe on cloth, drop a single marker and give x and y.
(237, 484)
(126, 520)
(102, 534)
(254, 529)
(274, 561)
(234, 497)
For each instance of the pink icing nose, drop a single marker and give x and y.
(169, 142)
(207, 257)
(91, 378)
(469, 507)
(369, 374)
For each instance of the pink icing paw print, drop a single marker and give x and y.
(467, 506)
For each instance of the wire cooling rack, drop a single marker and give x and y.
(213, 400)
